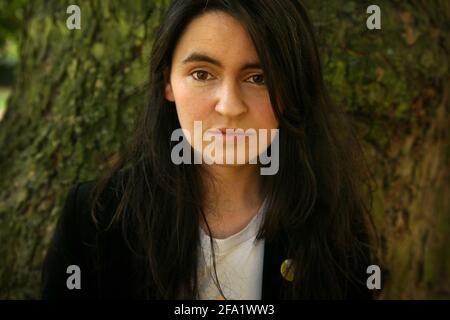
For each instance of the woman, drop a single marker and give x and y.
(160, 226)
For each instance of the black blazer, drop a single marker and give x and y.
(106, 263)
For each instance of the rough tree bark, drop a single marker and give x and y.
(72, 105)
(395, 82)
(77, 91)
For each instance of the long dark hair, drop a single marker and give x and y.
(316, 200)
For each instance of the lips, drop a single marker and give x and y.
(232, 132)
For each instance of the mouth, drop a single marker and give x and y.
(230, 132)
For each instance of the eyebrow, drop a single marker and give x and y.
(201, 57)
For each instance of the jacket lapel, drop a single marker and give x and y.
(273, 281)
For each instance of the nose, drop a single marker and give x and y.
(230, 101)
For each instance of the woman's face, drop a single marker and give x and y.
(216, 78)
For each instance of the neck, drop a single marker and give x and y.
(234, 194)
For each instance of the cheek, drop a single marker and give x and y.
(191, 105)
(264, 118)
(265, 115)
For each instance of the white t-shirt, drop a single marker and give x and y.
(239, 264)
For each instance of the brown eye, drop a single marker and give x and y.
(200, 75)
(258, 79)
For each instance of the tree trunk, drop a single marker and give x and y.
(77, 91)
(72, 106)
(395, 83)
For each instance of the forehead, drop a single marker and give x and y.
(217, 34)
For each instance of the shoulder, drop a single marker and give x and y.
(76, 238)
(83, 215)
(92, 198)
(81, 194)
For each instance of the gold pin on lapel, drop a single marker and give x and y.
(287, 270)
